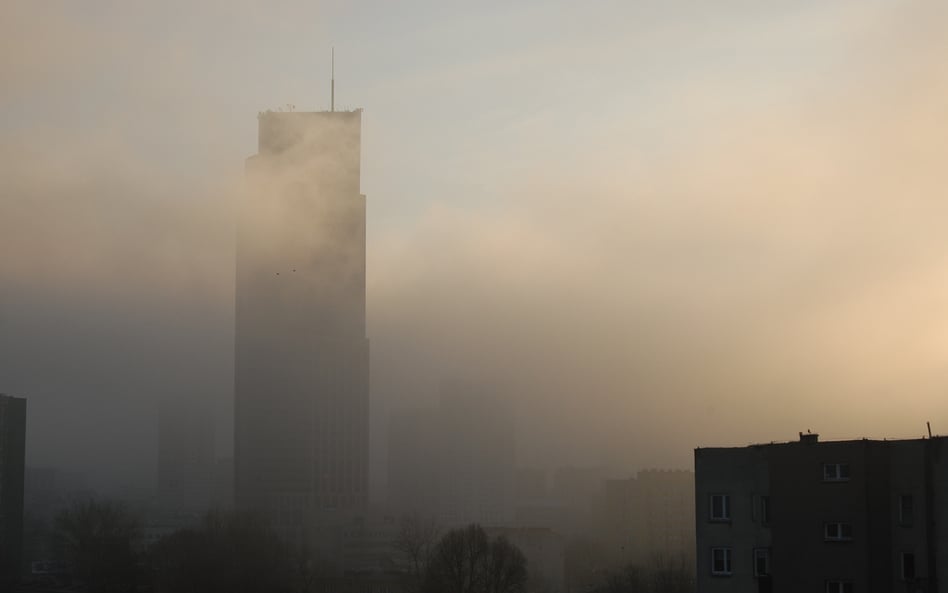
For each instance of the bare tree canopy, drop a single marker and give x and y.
(232, 551)
(416, 539)
(663, 574)
(466, 560)
(96, 541)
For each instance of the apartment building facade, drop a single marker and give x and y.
(838, 517)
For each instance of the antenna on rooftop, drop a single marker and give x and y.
(332, 79)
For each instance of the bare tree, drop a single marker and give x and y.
(467, 561)
(310, 567)
(584, 564)
(672, 574)
(416, 539)
(506, 568)
(631, 579)
(96, 540)
(663, 574)
(229, 551)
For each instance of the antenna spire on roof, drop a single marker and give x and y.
(332, 79)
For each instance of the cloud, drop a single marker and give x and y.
(784, 272)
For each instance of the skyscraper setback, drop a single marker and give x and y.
(301, 352)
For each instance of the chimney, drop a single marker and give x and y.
(809, 437)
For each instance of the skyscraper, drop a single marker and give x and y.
(455, 462)
(301, 355)
(186, 460)
(477, 457)
(12, 458)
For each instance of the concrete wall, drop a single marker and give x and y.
(742, 474)
(802, 502)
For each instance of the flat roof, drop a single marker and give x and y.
(824, 442)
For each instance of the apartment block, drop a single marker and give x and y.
(839, 517)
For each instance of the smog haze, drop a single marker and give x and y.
(650, 226)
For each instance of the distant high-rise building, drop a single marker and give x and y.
(186, 453)
(577, 486)
(838, 517)
(455, 462)
(47, 490)
(664, 515)
(413, 466)
(301, 352)
(12, 467)
(649, 518)
(531, 486)
(561, 500)
(477, 457)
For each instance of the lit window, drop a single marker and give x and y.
(839, 587)
(906, 510)
(720, 507)
(721, 561)
(835, 472)
(837, 531)
(908, 566)
(762, 562)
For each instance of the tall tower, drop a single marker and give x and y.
(302, 356)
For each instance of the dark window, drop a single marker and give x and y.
(837, 531)
(908, 566)
(765, 510)
(835, 472)
(906, 510)
(721, 561)
(762, 562)
(720, 507)
(839, 587)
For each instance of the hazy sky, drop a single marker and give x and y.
(656, 225)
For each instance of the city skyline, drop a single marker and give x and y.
(614, 257)
(692, 215)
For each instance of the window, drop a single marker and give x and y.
(906, 510)
(765, 510)
(720, 507)
(835, 472)
(908, 566)
(837, 531)
(762, 562)
(721, 561)
(839, 587)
